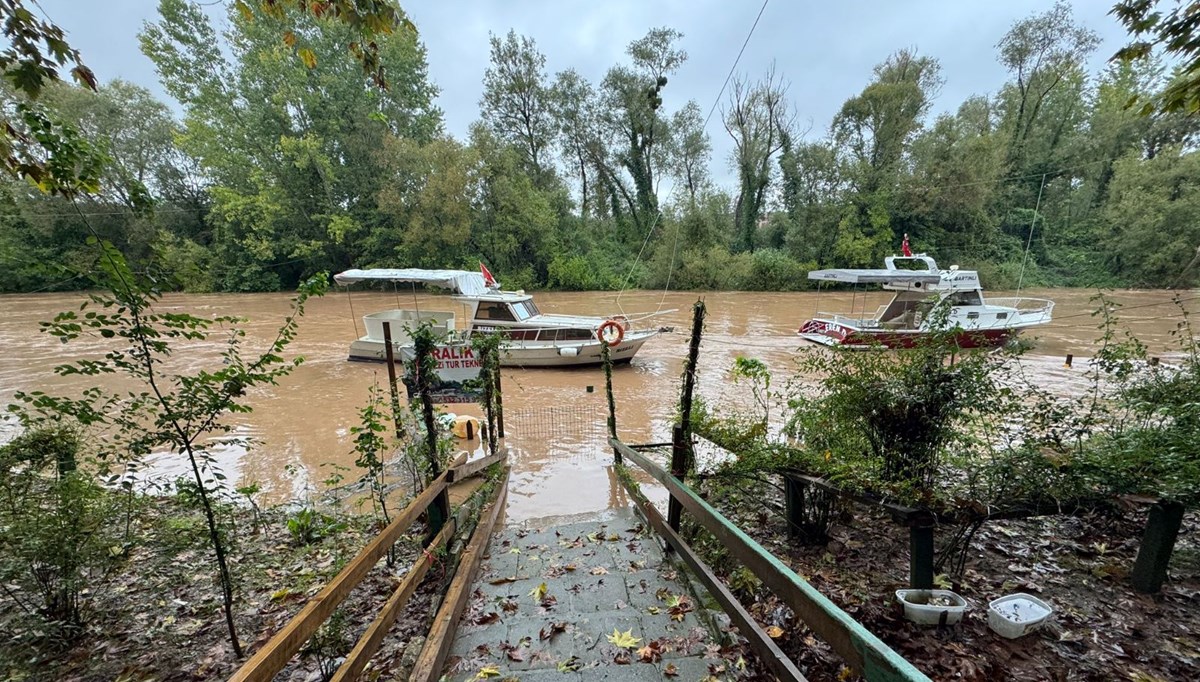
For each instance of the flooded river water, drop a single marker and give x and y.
(555, 425)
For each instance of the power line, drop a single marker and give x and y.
(735, 63)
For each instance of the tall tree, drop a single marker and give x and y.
(516, 102)
(690, 151)
(759, 119)
(573, 106)
(876, 128)
(1041, 52)
(630, 102)
(291, 144)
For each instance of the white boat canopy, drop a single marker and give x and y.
(879, 276)
(460, 281)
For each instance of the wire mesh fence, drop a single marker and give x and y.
(577, 433)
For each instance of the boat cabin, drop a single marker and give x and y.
(516, 316)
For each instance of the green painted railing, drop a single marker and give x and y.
(861, 650)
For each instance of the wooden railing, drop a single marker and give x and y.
(862, 651)
(268, 661)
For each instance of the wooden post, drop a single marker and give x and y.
(679, 463)
(793, 493)
(682, 458)
(391, 366)
(606, 359)
(499, 399)
(920, 547)
(423, 343)
(689, 371)
(1158, 542)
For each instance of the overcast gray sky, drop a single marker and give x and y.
(824, 49)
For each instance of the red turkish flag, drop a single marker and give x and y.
(488, 280)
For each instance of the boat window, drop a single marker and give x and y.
(574, 334)
(965, 298)
(490, 310)
(524, 310)
(533, 309)
(1001, 316)
(972, 316)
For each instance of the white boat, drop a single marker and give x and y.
(531, 338)
(978, 322)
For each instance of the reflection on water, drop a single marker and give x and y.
(561, 464)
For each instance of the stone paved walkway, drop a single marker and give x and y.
(548, 601)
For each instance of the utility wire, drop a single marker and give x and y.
(735, 63)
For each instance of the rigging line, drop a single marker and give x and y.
(633, 265)
(735, 63)
(671, 270)
(1029, 241)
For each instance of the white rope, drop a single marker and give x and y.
(1029, 241)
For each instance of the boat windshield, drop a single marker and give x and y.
(525, 309)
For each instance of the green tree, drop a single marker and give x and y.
(292, 146)
(176, 411)
(1175, 32)
(760, 120)
(1041, 52)
(1155, 210)
(516, 102)
(636, 133)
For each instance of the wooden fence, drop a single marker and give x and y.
(268, 661)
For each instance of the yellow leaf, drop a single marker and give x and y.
(599, 570)
(486, 672)
(774, 632)
(306, 55)
(538, 593)
(242, 7)
(280, 594)
(624, 640)
(289, 39)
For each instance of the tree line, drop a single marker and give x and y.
(280, 167)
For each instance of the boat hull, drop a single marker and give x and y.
(523, 355)
(832, 334)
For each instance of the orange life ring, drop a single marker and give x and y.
(610, 324)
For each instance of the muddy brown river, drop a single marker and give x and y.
(554, 424)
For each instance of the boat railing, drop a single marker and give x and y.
(1028, 309)
(847, 321)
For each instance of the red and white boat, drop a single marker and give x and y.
(920, 287)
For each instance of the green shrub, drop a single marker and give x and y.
(775, 270)
(57, 528)
(572, 273)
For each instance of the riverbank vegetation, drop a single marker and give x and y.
(1029, 491)
(289, 159)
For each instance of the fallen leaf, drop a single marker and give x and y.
(552, 629)
(671, 670)
(538, 593)
(774, 632)
(486, 672)
(502, 581)
(487, 618)
(624, 640)
(569, 666)
(599, 570)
